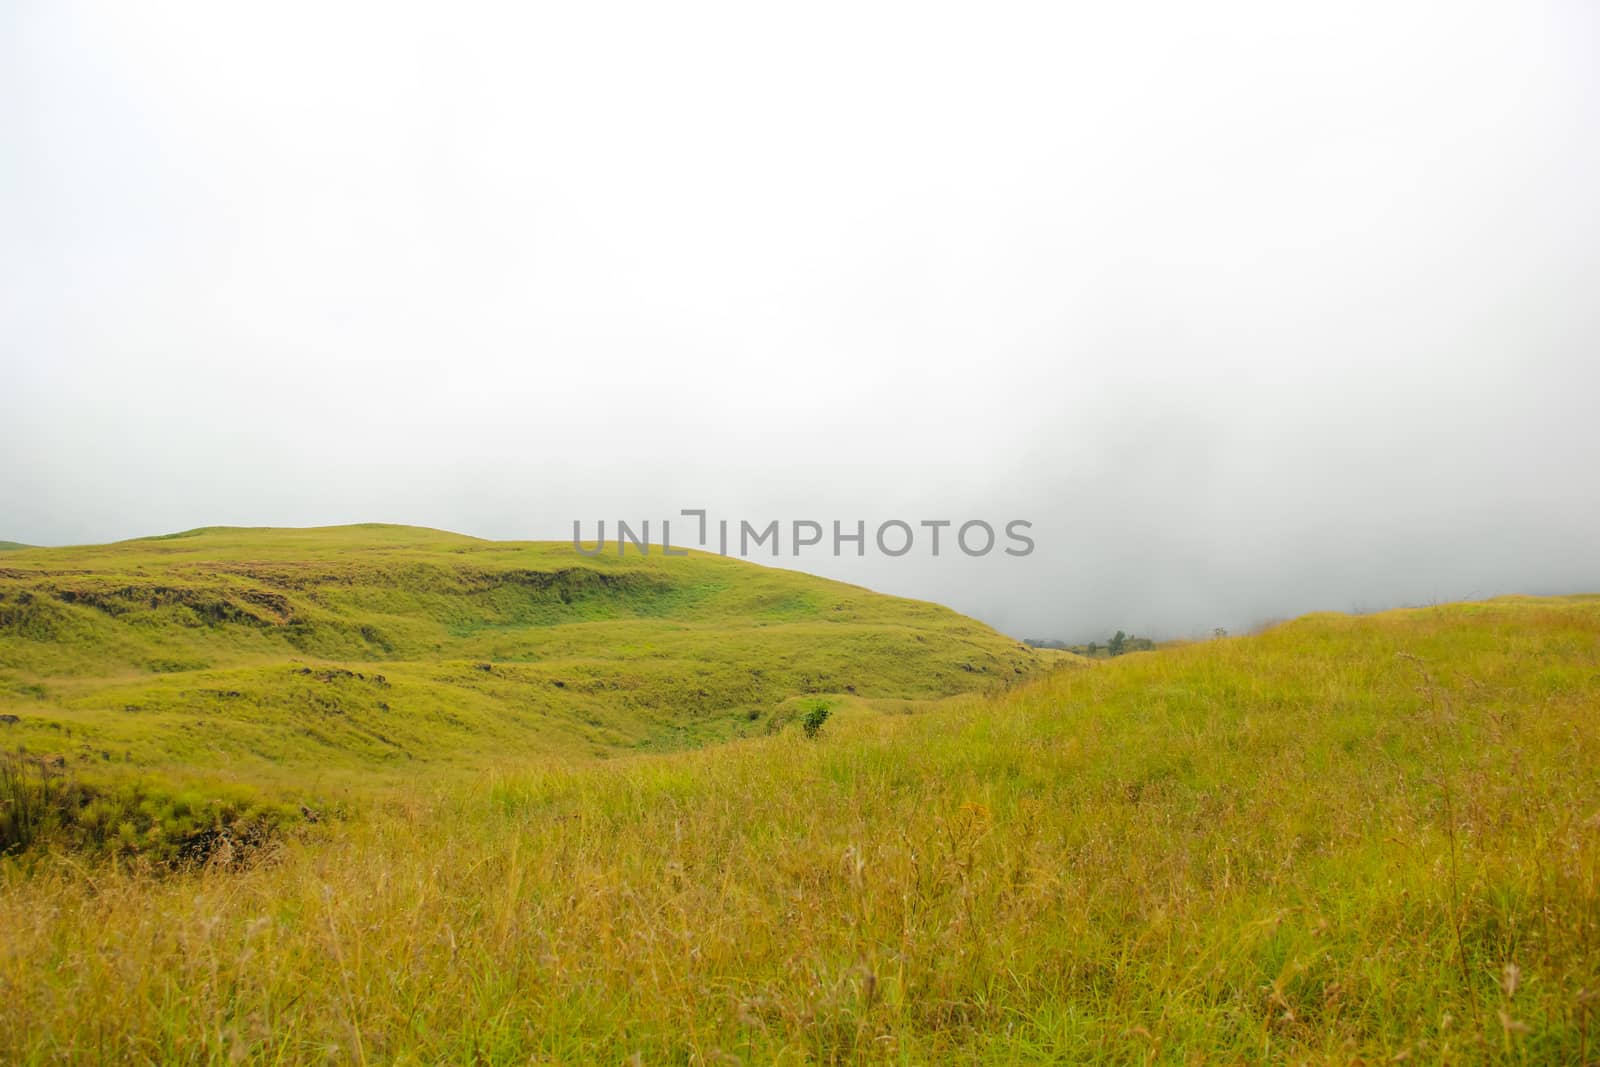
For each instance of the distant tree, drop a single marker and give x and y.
(1115, 645)
(1219, 632)
(1092, 648)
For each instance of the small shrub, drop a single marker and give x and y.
(43, 804)
(811, 722)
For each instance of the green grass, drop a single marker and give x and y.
(312, 664)
(1345, 840)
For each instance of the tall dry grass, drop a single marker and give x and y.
(1345, 840)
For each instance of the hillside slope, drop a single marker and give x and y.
(277, 654)
(1347, 840)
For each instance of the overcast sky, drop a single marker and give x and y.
(1251, 309)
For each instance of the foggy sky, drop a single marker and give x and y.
(1252, 309)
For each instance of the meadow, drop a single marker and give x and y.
(160, 684)
(1342, 840)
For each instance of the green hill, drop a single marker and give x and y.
(292, 656)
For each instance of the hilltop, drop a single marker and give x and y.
(318, 660)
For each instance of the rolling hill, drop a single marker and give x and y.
(306, 660)
(357, 632)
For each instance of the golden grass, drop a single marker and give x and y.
(1345, 840)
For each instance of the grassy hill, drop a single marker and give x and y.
(308, 665)
(1346, 840)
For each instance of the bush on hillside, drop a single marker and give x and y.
(813, 719)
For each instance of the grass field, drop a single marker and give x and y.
(252, 672)
(1344, 840)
